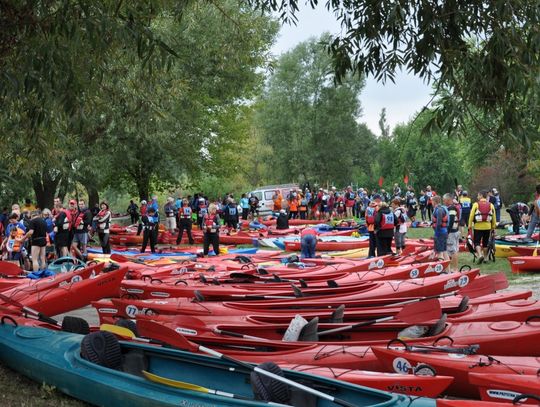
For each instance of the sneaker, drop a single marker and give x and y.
(480, 259)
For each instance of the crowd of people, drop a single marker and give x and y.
(31, 233)
(34, 235)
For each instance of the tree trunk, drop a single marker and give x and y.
(143, 187)
(93, 195)
(44, 188)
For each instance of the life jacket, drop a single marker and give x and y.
(232, 210)
(79, 221)
(143, 209)
(209, 222)
(303, 205)
(387, 221)
(293, 205)
(465, 202)
(104, 225)
(483, 213)
(277, 202)
(422, 200)
(169, 210)
(14, 244)
(400, 215)
(185, 212)
(444, 222)
(371, 211)
(66, 225)
(456, 211)
(203, 210)
(497, 201)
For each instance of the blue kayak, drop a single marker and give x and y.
(54, 357)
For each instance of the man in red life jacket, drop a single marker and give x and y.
(385, 223)
(185, 222)
(371, 212)
(62, 229)
(210, 226)
(81, 226)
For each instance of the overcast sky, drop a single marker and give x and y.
(402, 99)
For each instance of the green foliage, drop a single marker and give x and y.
(485, 55)
(309, 123)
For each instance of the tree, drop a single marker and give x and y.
(486, 55)
(310, 124)
(383, 125)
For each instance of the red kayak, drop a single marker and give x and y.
(30, 287)
(525, 264)
(75, 295)
(505, 387)
(458, 366)
(415, 385)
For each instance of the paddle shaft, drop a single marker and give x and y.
(357, 325)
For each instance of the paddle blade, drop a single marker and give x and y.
(420, 312)
(9, 269)
(173, 383)
(478, 288)
(118, 330)
(166, 334)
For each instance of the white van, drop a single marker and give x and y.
(265, 194)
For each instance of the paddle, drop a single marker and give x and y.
(194, 387)
(120, 258)
(415, 313)
(200, 297)
(9, 269)
(29, 310)
(183, 343)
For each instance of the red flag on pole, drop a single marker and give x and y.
(381, 181)
(406, 179)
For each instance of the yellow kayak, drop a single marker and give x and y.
(503, 251)
(351, 254)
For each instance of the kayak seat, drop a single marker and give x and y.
(463, 305)
(337, 315)
(439, 327)
(129, 324)
(134, 362)
(267, 389)
(75, 325)
(309, 332)
(102, 348)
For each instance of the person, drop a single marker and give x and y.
(401, 224)
(211, 231)
(37, 234)
(466, 206)
(144, 207)
(28, 205)
(497, 202)
(103, 220)
(56, 201)
(133, 211)
(231, 214)
(12, 245)
(308, 243)
(371, 212)
(429, 201)
(150, 223)
(350, 200)
(81, 227)
(244, 203)
(170, 215)
(422, 203)
(277, 198)
(397, 191)
(535, 214)
(62, 228)
(293, 204)
(282, 221)
(439, 222)
(482, 222)
(202, 210)
(412, 205)
(452, 242)
(253, 206)
(185, 222)
(154, 204)
(303, 207)
(330, 205)
(4, 218)
(385, 223)
(518, 213)
(340, 206)
(384, 196)
(458, 192)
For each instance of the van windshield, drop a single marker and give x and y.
(258, 194)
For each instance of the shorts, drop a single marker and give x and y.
(61, 239)
(481, 237)
(440, 242)
(464, 219)
(452, 244)
(81, 238)
(400, 240)
(38, 242)
(170, 223)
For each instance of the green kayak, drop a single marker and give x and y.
(149, 375)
